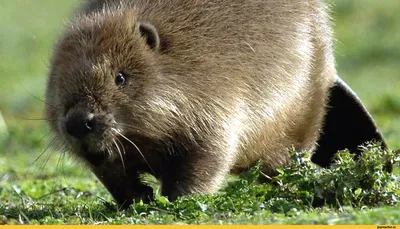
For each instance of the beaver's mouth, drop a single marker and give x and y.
(94, 158)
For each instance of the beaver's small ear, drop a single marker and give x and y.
(150, 33)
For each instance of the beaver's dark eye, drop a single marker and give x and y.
(120, 79)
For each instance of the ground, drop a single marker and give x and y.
(56, 189)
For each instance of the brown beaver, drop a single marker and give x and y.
(191, 90)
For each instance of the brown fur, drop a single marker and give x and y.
(232, 82)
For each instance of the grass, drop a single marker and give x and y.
(55, 189)
(301, 193)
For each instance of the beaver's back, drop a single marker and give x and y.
(262, 68)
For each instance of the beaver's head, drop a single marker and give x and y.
(106, 84)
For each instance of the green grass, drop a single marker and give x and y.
(56, 190)
(301, 193)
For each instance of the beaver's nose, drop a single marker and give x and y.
(80, 123)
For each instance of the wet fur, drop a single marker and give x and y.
(231, 82)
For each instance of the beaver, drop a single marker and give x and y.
(190, 91)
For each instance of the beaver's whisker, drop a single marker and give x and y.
(127, 125)
(44, 164)
(48, 133)
(51, 105)
(63, 153)
(36, 119)
(137, 148)
(109, 150)
(120, 154)
(122, 146)
(42, 153)
(60, 158)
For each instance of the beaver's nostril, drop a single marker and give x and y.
(80, 123)
(90, 122)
